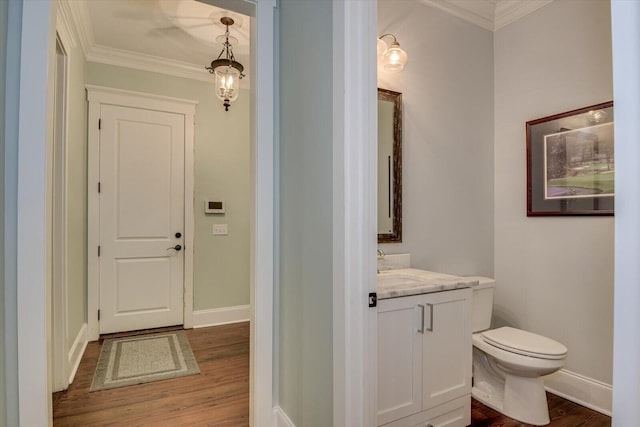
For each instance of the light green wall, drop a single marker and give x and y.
(10, 13)
(76, 197)
(306, 178)
(222, 169)
(3, 55)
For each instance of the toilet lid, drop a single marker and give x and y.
(525, 343)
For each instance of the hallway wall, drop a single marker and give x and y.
(10, 15)
(304, 352)
(222, 169)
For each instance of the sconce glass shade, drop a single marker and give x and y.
(227, 84)
(382, 47)
(395, 58)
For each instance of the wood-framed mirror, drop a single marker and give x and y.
(389, 166)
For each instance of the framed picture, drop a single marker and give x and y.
(570, 163)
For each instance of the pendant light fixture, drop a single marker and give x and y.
(226, 69)
(393, 57)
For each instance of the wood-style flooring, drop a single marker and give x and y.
(562, 412)
(219, 396)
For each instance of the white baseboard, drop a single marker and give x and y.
(280, 418)
(76, 352)
(221, 316)
(582, 390)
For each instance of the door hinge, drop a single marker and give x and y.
(98, 314)
(99, 124)
(98, 250)
(373, 299)
(98, 187)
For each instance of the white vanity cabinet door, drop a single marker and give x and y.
(400, 362)
(447, 347)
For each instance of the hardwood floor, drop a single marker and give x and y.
(562, 412)
(219, 396)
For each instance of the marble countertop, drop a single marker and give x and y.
(411, 281)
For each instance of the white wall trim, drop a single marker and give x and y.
(508, 11)
(76, 352)
(35, 137)
(97, 95)
(221, 316)
(281, 419)
(625, 24)
(64, 25)
(479, 12)
(488, 14)
(582, 390)
(114, 96)
(264, 193)
(79, 15)
(141, 61)
(59, 214)
(354, 212)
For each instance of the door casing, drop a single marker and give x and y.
(98, 96)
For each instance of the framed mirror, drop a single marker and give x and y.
(389, 166)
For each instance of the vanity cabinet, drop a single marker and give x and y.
(424, 360)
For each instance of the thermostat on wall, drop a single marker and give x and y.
(214, 206)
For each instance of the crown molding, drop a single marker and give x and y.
(478, 12)
(140, 61)
(508, 11)
(78, 14)
(65, 25)
(488, 14)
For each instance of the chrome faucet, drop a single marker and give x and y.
(380, 256)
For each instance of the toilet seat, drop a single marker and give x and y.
(524, 343)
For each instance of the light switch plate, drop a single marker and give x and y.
(220, 229)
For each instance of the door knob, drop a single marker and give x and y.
(178, 235)
(176, 247)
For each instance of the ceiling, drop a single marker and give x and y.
(178, 37)
(175, 37)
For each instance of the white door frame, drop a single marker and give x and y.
(60, 376)
(63, 364)
(97, 96)
(37, 38)
(263, 222)
(355, 118)
(35, 137)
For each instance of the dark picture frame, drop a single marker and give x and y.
(570, 163)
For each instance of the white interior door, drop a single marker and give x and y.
(141, 262)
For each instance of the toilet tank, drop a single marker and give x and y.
(482, 303)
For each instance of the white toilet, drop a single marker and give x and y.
(508, 363)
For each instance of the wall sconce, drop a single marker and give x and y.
(227, 70)
(393, 57)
